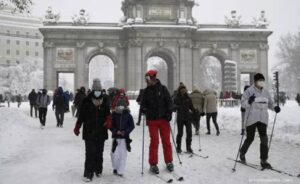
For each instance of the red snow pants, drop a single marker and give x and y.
(159, 127)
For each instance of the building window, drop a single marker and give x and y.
(27, 34)
(27, 53)
(17, 52)
(18, 42)
(7, 32)
(8, 52)
(18, 33)
(36, 54)
(8, 41)
(8, 62)
(18, 62)
(37, 35)
(27, 43)
(36, 44)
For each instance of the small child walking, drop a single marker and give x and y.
(122, 125)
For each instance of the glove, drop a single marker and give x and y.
(277, 109)
(251, 99)
(243, 132)
(243, 109)
(76, 129)
(169, 117)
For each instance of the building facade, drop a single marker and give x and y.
(165, 29)
(20, 38)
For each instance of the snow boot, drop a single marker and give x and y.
(178, 150)
(265, 165)
(154, 169)
(189, 150)
(242, 157)
(207, 133)
(218, 133)
(115, 172)
(170, 167)
(197, 132)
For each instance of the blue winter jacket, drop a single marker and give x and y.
(122, 122)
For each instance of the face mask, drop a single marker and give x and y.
(97, 93)
(260, 84)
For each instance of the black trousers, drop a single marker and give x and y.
(214, 118)
(188, 128)
(42, 115)
(59, 117)
(262, 131)
(33, 106)
(93, 157)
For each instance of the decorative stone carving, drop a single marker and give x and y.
(160, 43)
(263, 46)
(101, 45)
(48, 44)
(234, 20)
(81, 19)
(183, 43)
(136, 43)
(50, 17)
(262, 21)
(234, 46)
(80, 44)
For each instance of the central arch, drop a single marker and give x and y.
(169, 58)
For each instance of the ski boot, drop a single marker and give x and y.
(265, 165)
(242, 157)
(154, 169)
(170, 167)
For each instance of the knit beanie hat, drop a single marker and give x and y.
(96, 85)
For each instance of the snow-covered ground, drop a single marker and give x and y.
(29, 155)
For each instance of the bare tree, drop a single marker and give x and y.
(22, 6)
(289, 55)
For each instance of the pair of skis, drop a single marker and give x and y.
(258, 167)
(171, 179)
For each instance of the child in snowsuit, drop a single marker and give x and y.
(122, 125)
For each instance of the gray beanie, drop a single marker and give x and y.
(96, 85)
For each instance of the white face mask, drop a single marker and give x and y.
(97, 93)
(260, 84)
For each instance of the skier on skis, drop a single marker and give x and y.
(198, 102)
(185, 109)
(256, 100)
(93, 113)
(157, 106)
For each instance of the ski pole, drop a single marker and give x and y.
(175, 146)
(199, 136)
(143, 144)
(238, 153)
(272, 131)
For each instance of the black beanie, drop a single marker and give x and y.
(259, 76)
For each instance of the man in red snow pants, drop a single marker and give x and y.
(157, 105)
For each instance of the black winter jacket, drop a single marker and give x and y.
(93, 119)
(156, 102)
(184, 107)
(32, 98)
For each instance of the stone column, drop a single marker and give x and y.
(263, 60)
(80, 66)
(185, 59)
(130, 72)
(235, 56)
(50, 77)
(120, 69)
(195, 64)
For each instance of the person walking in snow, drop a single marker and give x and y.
(120, 100)
(210, 107)
(79, 97)
(42, 102)
(60, 107)
(243, 112)
(157, 106)
(32, 102)
(122, 125)
(256, 100)
(198, 103)
(19, 100)
(185, 109)
(93, 114)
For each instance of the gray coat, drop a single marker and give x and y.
(258, 111)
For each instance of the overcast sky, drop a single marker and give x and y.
(283, 14)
